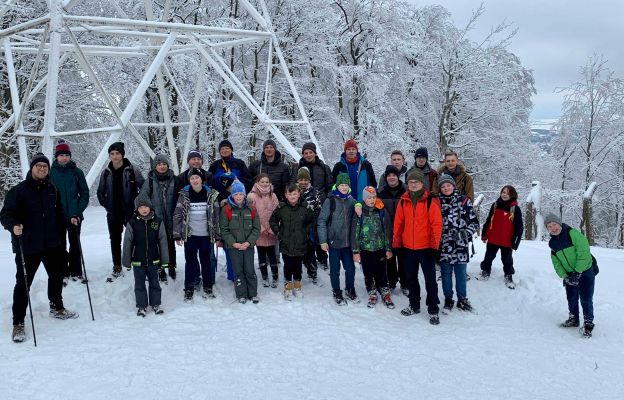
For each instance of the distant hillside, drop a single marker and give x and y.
(542, 133)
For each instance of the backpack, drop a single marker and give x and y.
(228, 212)
(594, 261)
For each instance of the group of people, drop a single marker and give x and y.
(316, 217)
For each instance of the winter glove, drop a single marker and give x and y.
(572, 279)
(463, 236)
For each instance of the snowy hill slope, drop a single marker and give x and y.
(310, 348)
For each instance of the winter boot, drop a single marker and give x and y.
(338, 298)
(407, 311)
(509, 282)
(141, 312)
(485, 275)
(449, 303)
(157, 310)
(265, 282)
(116, 271)
(571, 322)
(464, 305)
(255, 299)
(188, 295)
(242, 300)
(63, 313)
(297, 289)
(274, 281)
(19, 333)
(162, 275)
(288, 290)
(172, 272)
(587, 329)
(372, 298)
(387, 300)
(434, 319)
(351, 295)
(208, 293)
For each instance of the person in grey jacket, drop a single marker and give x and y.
(119, 185)
(334, 223)
(161, 187)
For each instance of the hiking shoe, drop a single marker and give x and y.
(63, 313)
(351, 295)
(255, 299)
(509, 282)
(464, 305)
(387, 299)
(571, 322)
(188, 295)
(372, 298)
(19, 333)
(265, 282)
(116, 271)
(157, 310)
(485, 275)
(141, 312)
(274, 281)
(172, 272)
(407, 311)
(242, 300)
(338, 298)
(449, 303)
(434, 319)
(587, 329)
(208, 293)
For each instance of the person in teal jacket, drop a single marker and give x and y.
(572, 261)
(74, 194)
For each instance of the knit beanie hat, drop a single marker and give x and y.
(308, 146)
(416, 175)
(552, 218)
(422, 152)
(269, 142)
(368, 192)
(391, 169)
(142, 201)
(343, 178)
(351, 143)
(193, 154)
(226, 143)
(304, 173)
(38, 158)
(238, 187)
(62, 147)
(198, 172)
(161, 159)
(118, 146)
(446, 178)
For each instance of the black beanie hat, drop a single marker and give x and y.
(308, 146)
(422, 152)
(226, 143)
(119, 146)
(37, 158)
(197, 171)
(391, 169)
(194, 153)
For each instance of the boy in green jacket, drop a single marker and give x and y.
(572, 260)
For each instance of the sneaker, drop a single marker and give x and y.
(587, 329)
(434, 319)
(255, 299)
(407, 311)
(116, 271)
(485, 275)
(387, 300)
(372, 298)
(141, 312)
(274, 282)
(351, 295)
(449, 303)
(162, 275)
(297, 289)
(188, 295)
(509, 282)
(172, 272)
(63, 313)
(288, 290)
(242, 300)
(571, 322)
(157, 310)
(464, 305)
(338, 298)
(265, 282)
(405, 291)
(19, 333)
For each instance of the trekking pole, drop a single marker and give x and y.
(32, 321)
(84, 271)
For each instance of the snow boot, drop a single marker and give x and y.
(188, 295)
(485, 275)
(407, 311)
(162, 275)
(449, 303)
(464, 305)
(19, 333)
(509, 282)
(372, 298)
(141, 312)
(63, 313)
(208, 293)
(386, 298)
(297, 289)
(242, 300)
(338, 298)
(571, 322)
(116, 273)
(255, 299)
(288, 290)
(351, 295)
(587, 329)
(172, 272)
(434, 319)
(157, 310)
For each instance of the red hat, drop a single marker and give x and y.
(62, 147)
(351, 143)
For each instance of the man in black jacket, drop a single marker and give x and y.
(119, 185)
(195, 160)
(320, 174)
(33, 213)
(272, 163)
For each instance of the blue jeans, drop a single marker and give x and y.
(447, 280)
(335, 257)
(584, 291)
(203, 246)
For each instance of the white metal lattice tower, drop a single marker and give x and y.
(162, 41)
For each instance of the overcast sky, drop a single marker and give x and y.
(554, 39)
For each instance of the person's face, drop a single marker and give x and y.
(553, 228)
(264, 183)
(450, 162)
(195, 162)
(225, 152)
(293, 197)
(303, 183)
(343, 188)
(63, 159)
(144, 211)
(393, 180)
(309, 155)
(351, 153)
(447, 189)
(421, 161)
(397, 160)
(115, 157)
(162, 167)
(505, 195)
(195, 181)
(370, 201)
(414, 186)
(40, 171)
(239, 198)
(269, 151)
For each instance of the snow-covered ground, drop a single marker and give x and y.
(512, 348)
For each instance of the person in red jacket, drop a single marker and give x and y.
(502, 230)
(418, 230)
